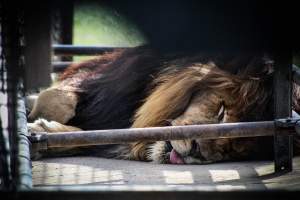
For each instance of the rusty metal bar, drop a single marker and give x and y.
(117, 136)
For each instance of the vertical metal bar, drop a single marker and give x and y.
(25, 172)
(67, 11)
(38, 44)
(4, 167)
(20, 167)
(12, 56)
(283, 145)
(62, 25)
(67, 25)
(4, 151)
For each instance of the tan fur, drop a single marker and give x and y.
(195, 95)
(54, 104)
(156, 153)
(42, 125)
(170, 98)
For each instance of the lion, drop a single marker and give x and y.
(140, 87)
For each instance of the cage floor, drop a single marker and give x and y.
(106, 172)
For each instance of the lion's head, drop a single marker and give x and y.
(203, 94)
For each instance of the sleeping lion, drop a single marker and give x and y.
(139, 87)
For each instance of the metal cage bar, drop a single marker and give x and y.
(64, 49)
(62, 25)
(204, 131)
(12, 55)
(37, 29)
(4, 151)
(283, 145)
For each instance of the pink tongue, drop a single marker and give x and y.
(175, 158)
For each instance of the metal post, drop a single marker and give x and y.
(62, 24)
(13, 65)
(38, 44)
(283, 145)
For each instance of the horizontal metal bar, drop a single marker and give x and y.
(61, 66)
(296, 74)
(147, 194)
(118, 136)
(60, 49)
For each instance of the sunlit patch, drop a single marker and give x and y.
(70, 174)
(264, 169)
(176, 177)
(224, 175)
(230, 187)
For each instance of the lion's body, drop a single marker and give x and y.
(140, 88)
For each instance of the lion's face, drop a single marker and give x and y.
(191, 151)
(203, 151)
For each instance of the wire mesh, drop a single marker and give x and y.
(11, 70)
(4, 144)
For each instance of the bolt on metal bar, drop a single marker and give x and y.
(118, 136)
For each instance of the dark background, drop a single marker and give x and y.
(211, 25)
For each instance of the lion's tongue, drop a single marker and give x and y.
(175, 158)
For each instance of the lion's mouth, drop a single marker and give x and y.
(175, 158)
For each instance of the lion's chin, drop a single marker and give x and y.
(175, 158)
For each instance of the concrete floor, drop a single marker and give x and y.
(107, 172)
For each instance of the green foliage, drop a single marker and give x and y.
(97, 24)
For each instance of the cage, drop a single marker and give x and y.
(32, 33)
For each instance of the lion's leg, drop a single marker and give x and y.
(55, 105)
(42, 125)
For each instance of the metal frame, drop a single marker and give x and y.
(12, 33)
(142, 193)
(4, 151)
(38, 43)
(283, 145)
(64, 49)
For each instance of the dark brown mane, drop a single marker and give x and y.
(110, 99)
(94, 65)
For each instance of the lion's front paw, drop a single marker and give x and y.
(38, 126)
(42, 125)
